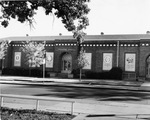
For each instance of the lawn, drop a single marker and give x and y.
(15, 114)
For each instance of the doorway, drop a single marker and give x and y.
(66, 63)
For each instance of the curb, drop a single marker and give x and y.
(80, 117)
(111, 116)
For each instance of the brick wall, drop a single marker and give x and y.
(144, 53)
(140, 47)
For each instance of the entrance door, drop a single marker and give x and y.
(66, 63)
(148, 67)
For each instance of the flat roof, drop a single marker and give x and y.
(87, 37)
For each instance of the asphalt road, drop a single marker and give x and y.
(78, 93)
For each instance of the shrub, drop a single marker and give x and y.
(15, 71)
(116, 73)
(97, 75)
(104, 75)
(36, 73)
(90, 74)
(22, 72)
(76, 73)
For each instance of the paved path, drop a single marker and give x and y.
(86, 110)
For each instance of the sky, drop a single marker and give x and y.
(107, 16)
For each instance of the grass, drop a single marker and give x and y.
(17, 114)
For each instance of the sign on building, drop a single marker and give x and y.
(130, 62)
(17, 59)
(49, 59)
(107, 61)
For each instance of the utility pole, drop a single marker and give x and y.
(118, 49)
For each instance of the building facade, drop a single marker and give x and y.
(129, 52)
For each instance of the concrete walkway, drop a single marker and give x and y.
(87, 110)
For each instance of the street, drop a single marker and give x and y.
(78, 94)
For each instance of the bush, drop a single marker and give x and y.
(22, 72)
(97, 75)
(36, 73)
(76, 73)
(116, 73)
(91, 75)
(15, 71)
(15, 114)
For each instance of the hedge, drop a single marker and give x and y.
(115, 73)
(33, 72)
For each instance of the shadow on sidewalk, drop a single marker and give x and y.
(136, 116)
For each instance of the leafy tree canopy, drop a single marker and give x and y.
(34, 52)
(3, 48)
(68, 10)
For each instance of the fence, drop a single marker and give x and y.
(37, 99)
(129, 76)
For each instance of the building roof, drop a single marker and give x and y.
(36, 38)
(119, 37)
(87, 37)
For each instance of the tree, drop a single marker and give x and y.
(68, 10)
(79, 35)
(3, 49)
(35, 53)
(82, 61)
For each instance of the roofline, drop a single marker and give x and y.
(87, 37)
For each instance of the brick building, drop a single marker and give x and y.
(129, 52)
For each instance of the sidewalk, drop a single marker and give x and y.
(108, 84)
(87, 109)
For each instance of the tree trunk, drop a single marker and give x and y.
(43, 69)
(30, 65)
(78, 49)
